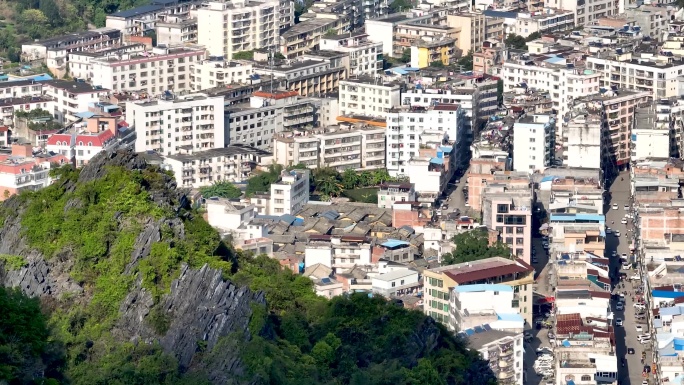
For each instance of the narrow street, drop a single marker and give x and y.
(625, 336)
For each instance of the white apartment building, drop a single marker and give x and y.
(234, 163)
(586, 13)
(291, 193)
(555, 75)
(340, 252)
(20, 89)
(70, 98)
(217, 72)
(479, 304)
(504, 351)
(176, 125)
(395, 282)
(546, 21)
(406, 126)
(153, 72)
(649, 142)
(474, 102)
(80, 64)
(533, 142)
(286, 10)
(268, 113)
(361, 148)
(226, 28)
(656, 75)
(176, 31)
(582, 140)
(137, 21)
(290, 149)
(365, 56)
(368, 97)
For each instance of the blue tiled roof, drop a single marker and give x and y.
(437, 160)
(394, 243)
(482, 287)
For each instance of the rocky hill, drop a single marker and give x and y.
(139, 289)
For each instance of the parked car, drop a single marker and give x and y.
(639, 329)
(617, 233)
(630, 351)
(620, 306)
(535, 260)
(618, 322)
(624, 221)
(609, 230)
(615, 206)
(626, 207)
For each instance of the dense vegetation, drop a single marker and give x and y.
(299, 339)
(221, 190)
(472, 246)
(24, 347)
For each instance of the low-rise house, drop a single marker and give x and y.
(396, 283)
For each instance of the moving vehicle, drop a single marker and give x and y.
(624, 221)
(626, 207)
(617, 233)
(639, 329)
(615, 206)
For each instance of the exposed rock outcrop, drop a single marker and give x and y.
(200, 308)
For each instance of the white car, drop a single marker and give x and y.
(615, 206)
(626, 207)
(608, 230)
(639, 328)
(617, 233)
(624, 256)
(624, 221)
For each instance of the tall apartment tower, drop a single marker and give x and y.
(227, 27)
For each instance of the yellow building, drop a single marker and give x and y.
(424, 53)
(439, 282)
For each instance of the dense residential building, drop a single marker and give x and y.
(392, 192)
(533, 142)
(582, 143)
(234, 163)
(368, 96)
(307, 35)
(439, 282)
(585, 13)
(471, 32)
(175, 125)
(176, 30)
(226, 28)
(80, 64)
(546, 21)
(409, 129)
(436, 51)
(55, 51)
(22, 170)
(83, 141)
(218, 72)
(290, 193)
(256, 123)
(654, 74)
(365, 56)
(71, 98)
(502, 349)
(507, 208)
(152, 73)
(306, 77)
(137, 21)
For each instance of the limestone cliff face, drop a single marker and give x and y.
(201, 305)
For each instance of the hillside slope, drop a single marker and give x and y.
(139, 289)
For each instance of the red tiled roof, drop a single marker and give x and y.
(485, 270)
(568, 323)
(4, 128)
(64, 139)
(592, 272)
(447, 107)
(97, 140)
(599, 294)
(276, 95)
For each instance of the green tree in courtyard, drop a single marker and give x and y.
(472, 246)
(221, 190)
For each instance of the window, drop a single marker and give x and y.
(586, 377)
(394, 284)
(520, 230)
